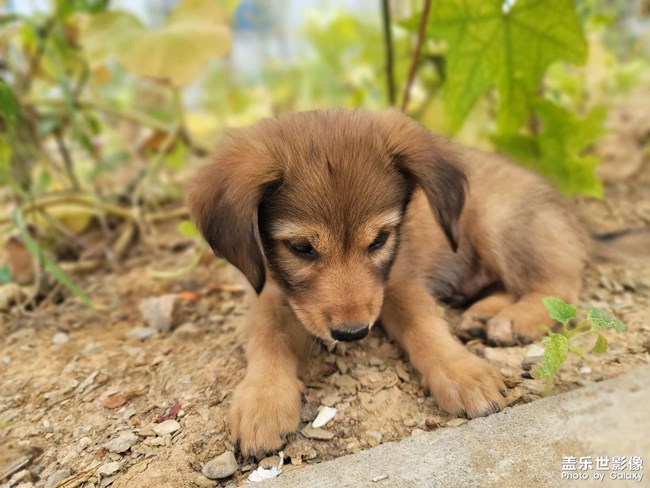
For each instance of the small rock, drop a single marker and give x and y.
(433, 422)
(147, 431)
(141, 333)
(534, 351)
(220, 467)
(325, 415)
(128, 413)
(55, 478)
(456, 422)
(269, 462)
(22, 475)
(166, 427)
(402, 374)
(85, 442)
(308, 412)
(585, 370)
(342, 365)
(109, 468)
(188, 330)
(161, 313)
(201, 481)
(60, 338)
(330, 400)
(10, 294)
(311, 432)
(417, 431)
(122, 442)
(375, 361)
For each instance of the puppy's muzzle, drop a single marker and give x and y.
(350, 332)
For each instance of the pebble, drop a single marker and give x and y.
(141, 333)
(187, 330)
(60, 338)
(325, 415)
(109, 468)
(160, 313)
(147, 431)
(534, 351)
(330, 400)
(166, 427)
(201, 481)
(128, 413)
(456, 422)
(310, 432)
(269, 462)
(55, 478)
(122, 442)
(346, 383)
(85, 442)
(220, 467)
(585, 370)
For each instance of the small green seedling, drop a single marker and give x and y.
(558, 345)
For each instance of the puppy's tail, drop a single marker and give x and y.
(621, 246)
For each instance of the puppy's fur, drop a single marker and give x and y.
(340, 218)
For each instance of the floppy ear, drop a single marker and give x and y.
(224, 200)
(432, 164)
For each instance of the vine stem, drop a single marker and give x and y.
(388, 42)
(422, 30)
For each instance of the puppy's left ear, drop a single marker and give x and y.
(429, 161)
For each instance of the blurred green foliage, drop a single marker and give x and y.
(101, 115)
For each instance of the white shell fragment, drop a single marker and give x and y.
(325, 415)
(261, 474)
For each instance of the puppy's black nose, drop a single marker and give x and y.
(350, 332)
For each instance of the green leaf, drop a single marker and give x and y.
(187, 229)
(558, 151)
(8, 106)
(556, 349)
(578, 351)
(601, 344)
(489, 46)
(50, 266)
(558, 310)
(601, 320)
(108, 35)
(196, 31)
(5, 274)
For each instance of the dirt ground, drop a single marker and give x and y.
(64, 369)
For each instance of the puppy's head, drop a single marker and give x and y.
(316, 200)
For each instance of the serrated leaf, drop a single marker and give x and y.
(558, 151)
(558, 310)
(187, 229)
(601, 320)
(601, 344)
(556, 348)
(508, 49)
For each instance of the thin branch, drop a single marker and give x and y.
(388, 42)
(416, 54)
(67, 160)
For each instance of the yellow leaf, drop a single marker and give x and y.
(108, 34)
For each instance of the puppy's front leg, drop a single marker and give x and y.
(462, 383)
(266, 404)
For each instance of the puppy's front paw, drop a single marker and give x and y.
(263, 411)
(520, 323)
(467, 386)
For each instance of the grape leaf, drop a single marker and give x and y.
(601, 320)
(508, 48)
(558, 151)
(558, 310)
(556, 348)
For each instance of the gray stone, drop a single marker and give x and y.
(60, 338)
(109, 469)
(220, 467)
(55, 478)
(311, 432)
(160, 313)
(122, 442)
(166, 427)
(141, 333)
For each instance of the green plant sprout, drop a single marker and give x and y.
(558, 345)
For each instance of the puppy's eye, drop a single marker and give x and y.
(302, 249)
(379, 241)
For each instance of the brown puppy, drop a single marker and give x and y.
(340, 218)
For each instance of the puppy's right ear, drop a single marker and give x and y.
(224, 200)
